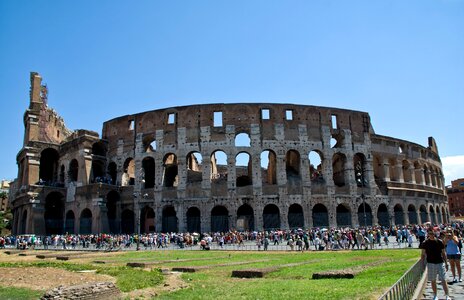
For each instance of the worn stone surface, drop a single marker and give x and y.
(99, 290)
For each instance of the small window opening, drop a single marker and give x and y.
(334, 122)
(289, 114)
(131, 125)
(57, 133)
(265, 114)
(171, 118)
(218, 119)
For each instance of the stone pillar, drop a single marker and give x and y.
(386, 169)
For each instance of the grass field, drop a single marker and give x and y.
(375, 271)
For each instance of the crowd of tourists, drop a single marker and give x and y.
(294, 240)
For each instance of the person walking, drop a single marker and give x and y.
(433, 251)
(453, 254)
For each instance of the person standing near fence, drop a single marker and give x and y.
(433, 251)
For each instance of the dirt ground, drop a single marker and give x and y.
(44, 279)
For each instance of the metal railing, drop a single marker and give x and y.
(405, 287)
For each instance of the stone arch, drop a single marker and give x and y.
(147, 220)
(343, 212)
(245, 218)
(62, 171)
(113, 172)
(242, 140)
(433, 219)
(170, 178)
(148, 166)
(412, 214)
(443, 215)
(194, 220)
(383, 216)
(423, 213)
(69, 222)
(394, 176)
(337, 140)
(128, 176)
(407, 176)
(365, 214)
(85, 222)
(54, 213)
(127, 221)
(112, 207)
(149, 144)
(99, 148)
(219, 219)
(292, 165)
(359, 163)
(315, 166)
(218, 166)
(73, 170)
(320, 215)
(194, 167)
(169, 219)
(243, 169)
(338, 168)
(417, 173)
(295, 216)
(98, 171)
(426, 175)
(379, 174)
(399, 214)
(271, 217)
(439, 219)
(48, 169)
(269, 167)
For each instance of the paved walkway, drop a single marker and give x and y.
(456, 290)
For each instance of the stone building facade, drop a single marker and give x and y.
(456, 197)
(217, 167)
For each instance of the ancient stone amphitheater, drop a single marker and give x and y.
(218, 167)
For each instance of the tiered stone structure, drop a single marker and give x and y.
(219, 167)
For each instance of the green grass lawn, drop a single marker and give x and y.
(378, 270)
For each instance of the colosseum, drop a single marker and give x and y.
(219, 167)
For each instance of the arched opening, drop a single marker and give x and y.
(426, 175)
(433, 220)
(379, 174)
(54, 213)
(73, 170)
(69, 223)
(320, 216)
(338, 168)
(439, 219)
(61, 179)
(219, 219)
(315, 167)
(170, 170)
(98, 171)
(365, 215)
(148, 165)
(382, 215)
(85, 223)
(23, 229)
(149, 144)
(147, 220)
(218, 167)
(394, 176)
(194, 167)
(407, 175)
(443, 213)
(99, 149)
(193, 220)
(399, 214)
(271, 217)
(48, 170)
(412, 214)
(112, 172)
(243, 169)
(112, 199)
(242, 140)
(423, 214)
(418, 173)
(295, 216)
(359, 163)
(343, 215)
(169, 221)
(292, 165)
(127, 221)
(268, 167)
(128, 177)
(245, 218)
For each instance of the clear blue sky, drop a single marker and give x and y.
(401, 61)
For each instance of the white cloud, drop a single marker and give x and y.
(453, 168)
